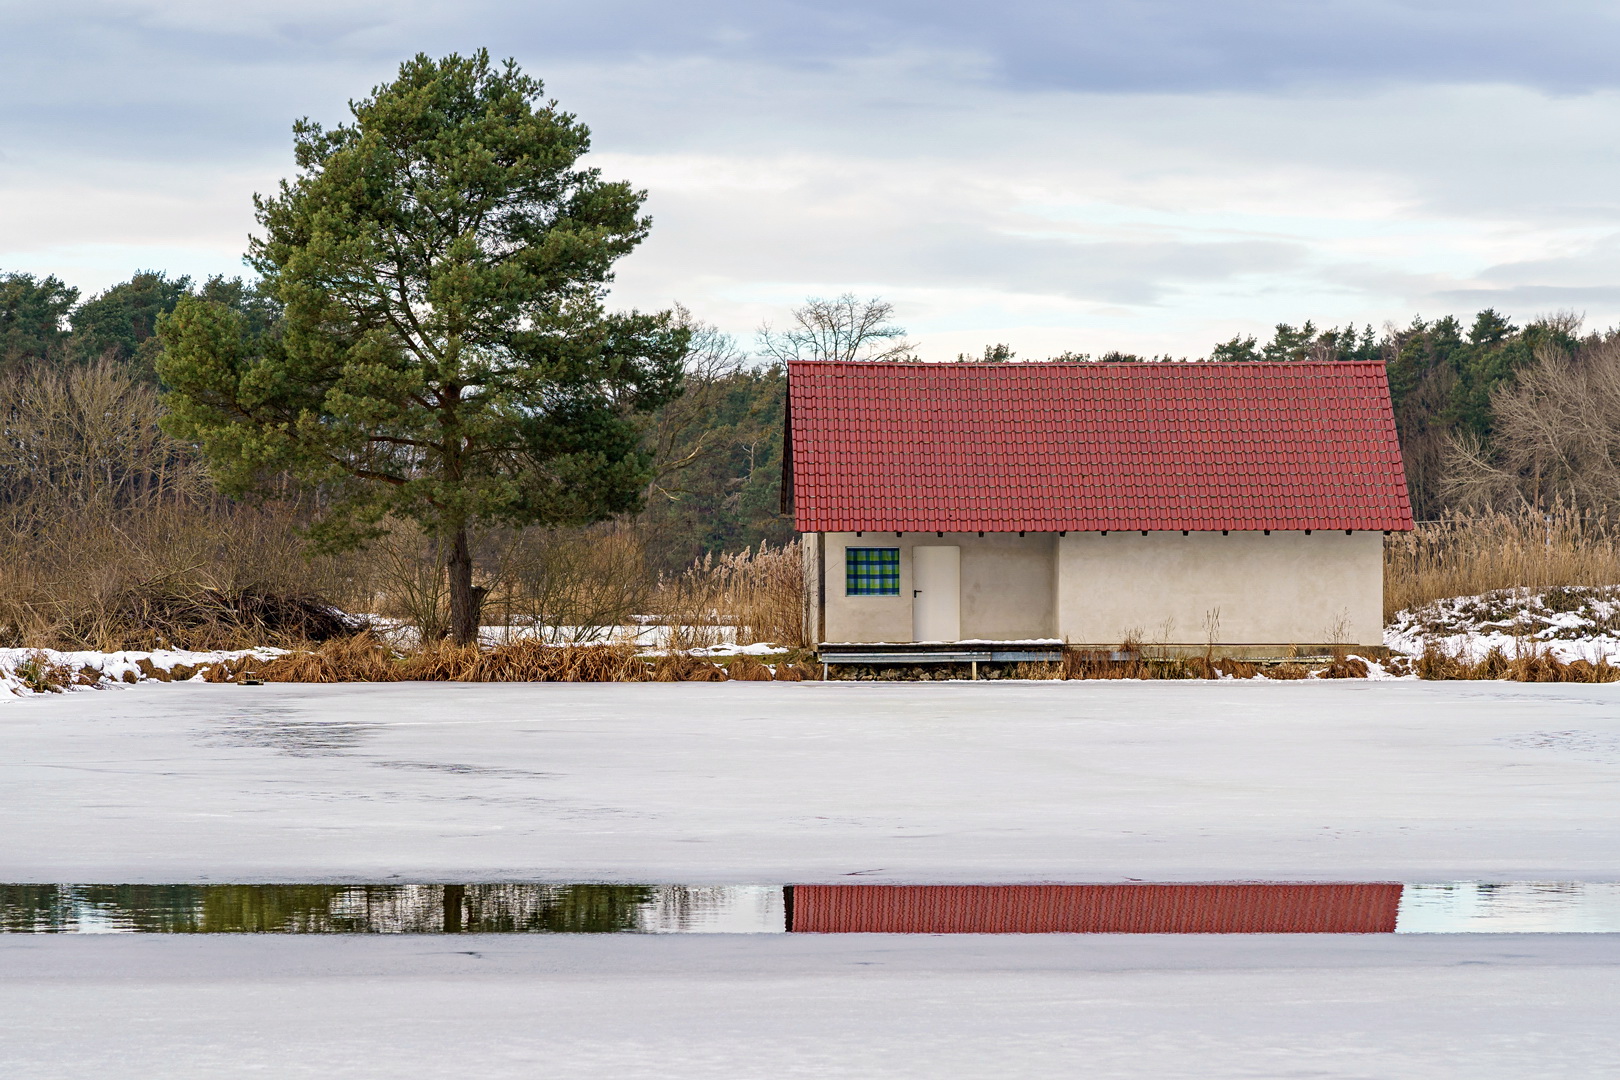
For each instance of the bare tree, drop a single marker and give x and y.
(1556, 438)
(843, 328)
(680, 434)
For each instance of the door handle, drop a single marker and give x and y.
(916, 593)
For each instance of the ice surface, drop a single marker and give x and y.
(785, 1006)
(763, 783)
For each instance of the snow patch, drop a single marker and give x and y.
(758, 648)
(1568, 622)
(25, 672)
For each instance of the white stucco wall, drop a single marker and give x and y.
(1008, 587)
(1245, 588)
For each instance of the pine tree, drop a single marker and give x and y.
(443, 353)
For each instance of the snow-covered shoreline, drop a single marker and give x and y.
(1569, 624)
(21, 669)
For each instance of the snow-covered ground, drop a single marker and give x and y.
(763, 783)
(1570, 623)
(852, 1008)
(25, 671)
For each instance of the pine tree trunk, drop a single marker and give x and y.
(466, 599)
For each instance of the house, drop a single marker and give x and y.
(1242, 506)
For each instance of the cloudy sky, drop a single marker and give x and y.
(1154, 175)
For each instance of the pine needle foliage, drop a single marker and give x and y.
(443, 353)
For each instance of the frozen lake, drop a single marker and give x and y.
(771, 783)
(764, 784)
(790, 1006)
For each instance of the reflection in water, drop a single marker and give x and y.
(390, 909)
(1529, 907)
(1458, 907)
(1166, 908)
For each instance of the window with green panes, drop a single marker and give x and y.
(871, 571)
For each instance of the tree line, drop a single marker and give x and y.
(1490, 412)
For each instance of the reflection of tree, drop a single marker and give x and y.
(317, 909)
(33, 908)
(559, 909)
(249, 909)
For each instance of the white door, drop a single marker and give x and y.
(936, 593)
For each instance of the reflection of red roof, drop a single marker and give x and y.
(1052, 447)
(1362, 908)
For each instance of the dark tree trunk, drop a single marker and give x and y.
(454, 897)
(466, 599)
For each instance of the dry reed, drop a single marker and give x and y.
(1478, 553)
(364, 658)
(758, 592)
(1528, 664)
(111, 536)
(1130, 661)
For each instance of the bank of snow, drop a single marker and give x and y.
(36, 671)
(1568, 622)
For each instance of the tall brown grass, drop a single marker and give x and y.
(575, 586)
(1527, 664)
(759, 592)
(111, 536)
(1476, 553)
(364, 658)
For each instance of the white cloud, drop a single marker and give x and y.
(991, 204)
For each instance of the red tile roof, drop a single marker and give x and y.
(1055, 447)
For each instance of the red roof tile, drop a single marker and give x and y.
(1056, 447)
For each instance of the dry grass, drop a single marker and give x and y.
(1478, 553)
(582, 583)
(364, 658)
(206, 575)
(1528, 664)
(111, 536)
(759, 592)
(1131, 661)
